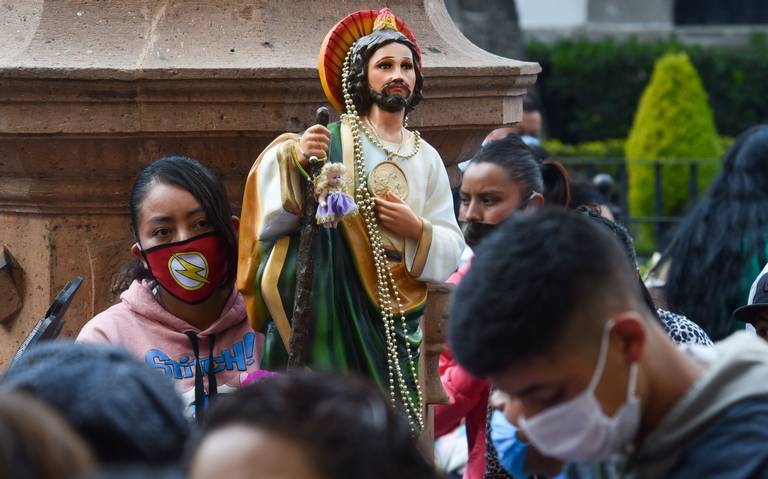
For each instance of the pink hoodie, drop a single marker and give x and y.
(152, 334)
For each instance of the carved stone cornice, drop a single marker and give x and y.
(79, 67)
(87, 107)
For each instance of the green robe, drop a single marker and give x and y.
(349, 333)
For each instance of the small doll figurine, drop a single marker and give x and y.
(333, 203)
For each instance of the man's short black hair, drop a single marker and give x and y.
(531, 281)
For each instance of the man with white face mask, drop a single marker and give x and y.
(552, 314)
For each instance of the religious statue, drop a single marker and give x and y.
(370, 273)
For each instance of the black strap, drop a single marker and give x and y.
(213, 388)
(199, 388)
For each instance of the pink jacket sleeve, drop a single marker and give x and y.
(97, 330)
(464, 392)
(93, 332)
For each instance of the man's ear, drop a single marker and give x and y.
(236, 223)
(136, 251)
(633, 331)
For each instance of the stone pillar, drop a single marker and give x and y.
(92, 91)
(433, 326)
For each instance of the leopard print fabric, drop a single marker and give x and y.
(493, 469)
(682, 330)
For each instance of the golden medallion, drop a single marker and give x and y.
(385, 177)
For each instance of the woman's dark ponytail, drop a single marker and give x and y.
(557, 183)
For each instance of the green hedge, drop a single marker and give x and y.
(590, 89)
(611, 148)
(597, 150)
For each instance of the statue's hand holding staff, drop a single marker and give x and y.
(313, 149)
(314, 142)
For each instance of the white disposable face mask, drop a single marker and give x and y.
(578, 430)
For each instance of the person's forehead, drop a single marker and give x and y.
(486, 174)
(159, 192)
(235, 450)
(164, 198)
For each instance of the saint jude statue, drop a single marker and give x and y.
(370, 273)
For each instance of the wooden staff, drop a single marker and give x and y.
(303, 321)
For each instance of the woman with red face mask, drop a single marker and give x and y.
(503, 178)
(182, 315)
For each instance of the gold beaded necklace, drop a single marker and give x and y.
(388, 293)
(376, 140)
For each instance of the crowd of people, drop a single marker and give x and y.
(559, 362)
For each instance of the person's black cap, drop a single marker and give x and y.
(125, 410)
(757, 303)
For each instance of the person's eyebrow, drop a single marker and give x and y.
(160, 219)
(492, 191)
(195, 211)
(166, 218)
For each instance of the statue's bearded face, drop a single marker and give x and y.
(385, 71)
(391, 77)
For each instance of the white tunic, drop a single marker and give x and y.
(429, 196)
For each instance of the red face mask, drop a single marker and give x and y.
(190, 270)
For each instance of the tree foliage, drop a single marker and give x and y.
(589, 88)
(673, 122)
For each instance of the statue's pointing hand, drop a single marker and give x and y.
(395, 215)
(314, 142)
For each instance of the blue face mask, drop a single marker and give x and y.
(510, 450)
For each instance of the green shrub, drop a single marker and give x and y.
(611, 148)
(584, 153)
(589, 89)
(673, 121)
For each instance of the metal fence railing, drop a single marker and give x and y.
(616, 167)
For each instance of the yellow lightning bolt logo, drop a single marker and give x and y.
(189, 270)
